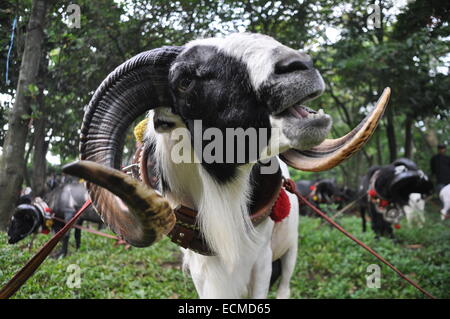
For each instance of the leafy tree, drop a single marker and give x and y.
(11, 162)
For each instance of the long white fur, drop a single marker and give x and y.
(242, 266)
(223, 215)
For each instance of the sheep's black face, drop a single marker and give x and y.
(214, 89)
(325, 190)
(21, 225)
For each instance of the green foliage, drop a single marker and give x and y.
(329, 265)
(107, 271)
(332, 266)
(405, 53)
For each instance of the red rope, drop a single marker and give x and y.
(291, 187)
(93, 231)
(28, 270)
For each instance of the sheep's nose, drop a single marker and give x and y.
(294, 62)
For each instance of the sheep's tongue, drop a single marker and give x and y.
(301, 111)
(331, 152)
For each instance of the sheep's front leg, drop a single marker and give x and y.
(196, 270)
(421, 218)
(409, 216)
(78, 234)
(287, 268)
(262, 270)
(30, 245)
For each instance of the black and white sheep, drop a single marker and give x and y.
(388, 190)
(242, 81)
(37, 215)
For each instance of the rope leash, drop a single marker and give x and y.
(89, 230)
(28, 270)
(290, 186)
(343, 210)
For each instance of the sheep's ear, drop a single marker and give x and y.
(136, 86)
(332, 152)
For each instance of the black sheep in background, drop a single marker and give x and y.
(64, 201)
(345, 195)
(322, 191)
(386, 191)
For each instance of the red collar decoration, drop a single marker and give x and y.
(46, 214)
(281, 208)
(374, 197)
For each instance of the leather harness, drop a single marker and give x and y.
(186, 232)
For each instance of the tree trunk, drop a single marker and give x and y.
(39, 160)
(431, 138)
(11, 162)
(390, 132)
(408, 137)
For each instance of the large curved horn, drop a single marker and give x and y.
(332, 152)
(137, 213)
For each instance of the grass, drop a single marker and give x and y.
(329, 265)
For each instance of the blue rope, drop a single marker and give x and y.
(10, 49)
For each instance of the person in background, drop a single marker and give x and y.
(440, 168)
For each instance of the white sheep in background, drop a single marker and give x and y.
(415, 210)
(444, 196)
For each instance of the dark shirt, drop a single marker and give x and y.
(440, 167)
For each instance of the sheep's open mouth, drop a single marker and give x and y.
(302, 113)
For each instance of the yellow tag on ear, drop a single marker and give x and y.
(315, 198)
(139, 130)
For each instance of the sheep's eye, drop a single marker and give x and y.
(185, 85)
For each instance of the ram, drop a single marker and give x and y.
(37, 215)
(388, 190)
(217, 211)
